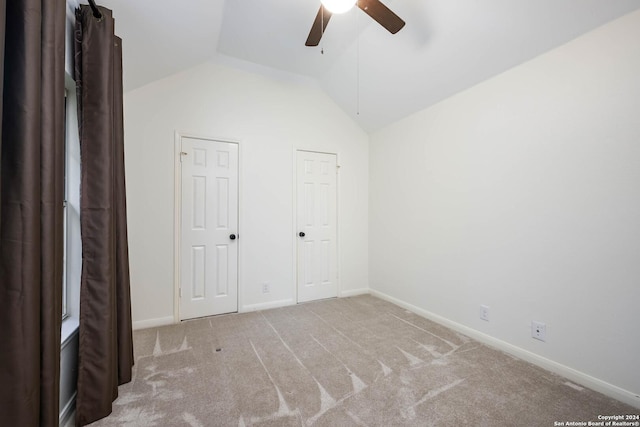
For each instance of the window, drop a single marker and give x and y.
(65, 314)
(72, 254)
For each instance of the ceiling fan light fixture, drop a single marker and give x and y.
(338, 6)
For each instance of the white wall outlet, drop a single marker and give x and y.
(484, 312)
(538, 330)
(266, 287)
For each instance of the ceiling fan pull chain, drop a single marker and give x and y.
(321, 29)
(357, 64)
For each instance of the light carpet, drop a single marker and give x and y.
(356, 361)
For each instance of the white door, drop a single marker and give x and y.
(209, 229)
(317, 226)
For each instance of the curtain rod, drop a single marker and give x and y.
(96, 12)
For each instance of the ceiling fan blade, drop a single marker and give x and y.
(318, 27)
(382, 14)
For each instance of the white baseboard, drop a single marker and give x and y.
(354, 292)
(152, 323)
(169, 320)
(286, 302)
(266, 305)
(565, 371)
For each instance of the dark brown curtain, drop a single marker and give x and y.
(31, 213)
(106, 347)
(3, 20)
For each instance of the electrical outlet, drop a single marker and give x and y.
(484, 312)
(266, 288)
(538, 330)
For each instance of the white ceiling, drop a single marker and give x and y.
(377, 78)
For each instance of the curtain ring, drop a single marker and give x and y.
(96, 12)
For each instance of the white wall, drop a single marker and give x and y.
(522, 193)
(270, 118)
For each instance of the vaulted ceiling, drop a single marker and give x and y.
(375, 77)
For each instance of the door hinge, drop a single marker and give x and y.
(182, 154)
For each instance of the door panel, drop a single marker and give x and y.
(317, 220)
(209, 258)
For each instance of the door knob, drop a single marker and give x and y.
(232, 237)
(301, 234)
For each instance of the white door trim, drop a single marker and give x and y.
(177, 214)
(295, 230)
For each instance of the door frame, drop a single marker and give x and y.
(177, 214)
(295, 220)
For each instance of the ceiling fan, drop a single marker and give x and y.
(374, 8)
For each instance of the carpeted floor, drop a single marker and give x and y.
(355, 361)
